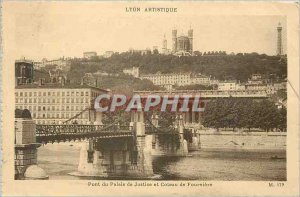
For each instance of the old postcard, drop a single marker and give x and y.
(150, 98)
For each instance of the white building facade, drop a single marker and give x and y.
(178, 79)
(57, 104)
(134, 71)
(61, 63)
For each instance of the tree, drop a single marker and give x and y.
(244, 113)
(282, 124)
(268, 115)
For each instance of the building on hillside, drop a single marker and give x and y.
(280, 86)
(240, 86)
(134, 71)
(61, 63)
(200, 79)
(227, 85)
(108, 54)
(179, 79)
(57, 103)
(90, 79)
(256, 79)
(182, 44)
(214, 81)
(147, 51)
(89, 55)
(23, 72)
(57, 76)
(256, 87)
(165, 45)
(142, 52)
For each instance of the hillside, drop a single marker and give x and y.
(239, 66)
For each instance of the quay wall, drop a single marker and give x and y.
(243, 140)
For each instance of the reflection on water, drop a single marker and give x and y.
(211, 164)
(247, 165)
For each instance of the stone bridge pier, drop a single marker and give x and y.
(116, 157)
(26, 148)
(169, 144)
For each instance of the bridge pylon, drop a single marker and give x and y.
(183, 148)
(26, 148)
(142, 145)
(90, 161)
(98, 118)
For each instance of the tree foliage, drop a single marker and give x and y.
(240, 66)
(244, 113)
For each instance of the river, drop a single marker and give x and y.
(206, 164)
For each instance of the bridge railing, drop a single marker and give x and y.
(45, 130)
(53, 133)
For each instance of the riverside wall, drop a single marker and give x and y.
(242, 140)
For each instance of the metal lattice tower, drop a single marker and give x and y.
(279, 40)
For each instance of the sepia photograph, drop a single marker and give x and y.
(129, 94)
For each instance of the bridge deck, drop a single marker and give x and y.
(53, 133)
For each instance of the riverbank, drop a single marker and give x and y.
(242, 140)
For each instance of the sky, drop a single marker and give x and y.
(45, 30)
